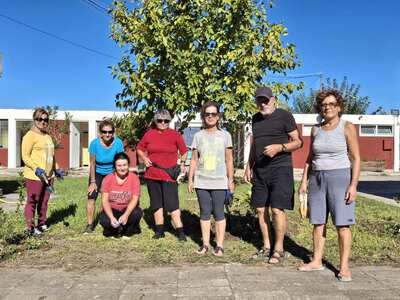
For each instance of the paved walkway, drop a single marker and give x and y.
(199, 282)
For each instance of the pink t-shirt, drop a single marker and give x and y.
(119, 195)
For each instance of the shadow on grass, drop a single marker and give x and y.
(61, 214)
(9, 186)
(191, 223)
(247, 229)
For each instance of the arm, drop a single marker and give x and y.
(27, 145)
(143, 156)
(294, 144)
(131, 206)
(107, 208)
(192, 169)
(250, 162)
(230, 169)
(307, 169)
(183, 151)
(354, 156)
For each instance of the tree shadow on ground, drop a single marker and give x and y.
(61, 214)
(9, 186)
(247, 229)
(191, 223)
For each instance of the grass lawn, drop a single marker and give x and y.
(376, 236)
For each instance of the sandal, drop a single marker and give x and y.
(202, 250)
(218, 251)
(277, 257)
(262, 253)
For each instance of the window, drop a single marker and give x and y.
(376, 130)
(3, 134)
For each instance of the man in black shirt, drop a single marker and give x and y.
(270, 169)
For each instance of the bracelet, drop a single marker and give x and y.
(92, 181)
(283, 148)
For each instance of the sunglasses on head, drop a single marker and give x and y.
(210, 114)
(46, 120)
(107, 131)
(165, 121)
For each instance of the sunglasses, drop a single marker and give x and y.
(210, 114)
(107, 131)
(159, 121)
(332, 104)
(46, 120)
(262, 100)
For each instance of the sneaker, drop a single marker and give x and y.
(88, 229)
(43, 228)
(34, 232)
(125, 237)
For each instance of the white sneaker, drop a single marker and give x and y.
(34, 232)
(124, 237)
(43, 228)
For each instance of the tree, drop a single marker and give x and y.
(181, 54)
(354, 103)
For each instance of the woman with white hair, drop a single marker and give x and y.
(159, 150)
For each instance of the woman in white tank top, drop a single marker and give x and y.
(330, 176)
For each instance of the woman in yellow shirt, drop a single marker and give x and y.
(38, 156)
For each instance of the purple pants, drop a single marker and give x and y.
(37, 199)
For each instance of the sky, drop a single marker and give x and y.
(358, 39)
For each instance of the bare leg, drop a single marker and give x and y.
(220, 231)
(176, 218)
(90, 209)
(279, 218)
(205, 231)
(344, 234)
(159, 216)
(319, 237)
(264, 222)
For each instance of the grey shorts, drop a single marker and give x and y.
(327, 191)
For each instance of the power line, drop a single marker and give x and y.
(97, 6)
(58, 37)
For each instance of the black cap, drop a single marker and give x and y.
(263, 91)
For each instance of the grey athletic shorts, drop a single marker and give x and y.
(327, 191)
(211, 202)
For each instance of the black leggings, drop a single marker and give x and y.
(131, 226)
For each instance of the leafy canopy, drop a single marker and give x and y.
(354, 103)
(181, 54)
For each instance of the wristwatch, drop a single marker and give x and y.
(283, 148)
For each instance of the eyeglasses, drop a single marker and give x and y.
(331, 104)
(210, 114)
(46, 120)
(165, 121)
(107, 131)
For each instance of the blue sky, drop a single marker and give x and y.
(357, 39)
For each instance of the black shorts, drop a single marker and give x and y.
(163, 194)
(273, 187)
(99, 179)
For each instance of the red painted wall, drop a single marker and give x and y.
(3, 157)
(62, 153)
(132, 156)
(371, 149)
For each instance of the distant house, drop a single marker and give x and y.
(378, 136)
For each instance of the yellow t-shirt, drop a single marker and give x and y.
(37, 152)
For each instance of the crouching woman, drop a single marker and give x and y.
(120, 197)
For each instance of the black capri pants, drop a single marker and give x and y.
(211, 202)
(163, 194)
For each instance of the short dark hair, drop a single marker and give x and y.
(106, 122)
(321, 96)
(120, 155)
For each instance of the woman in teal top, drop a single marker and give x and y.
(102, 151)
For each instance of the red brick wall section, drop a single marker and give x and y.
(132, 156)
(62, 153)
(3, 157)
(371, 149)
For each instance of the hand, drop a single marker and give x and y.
(123, 219)
(114, 222)
(303, 188)
(39, 172)
(190, 186)
(272, 150)
(92, 187)
(183, 169)
(147, 162)
(248, 175)
(231, 187)
(351, 194)
(59, 173)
